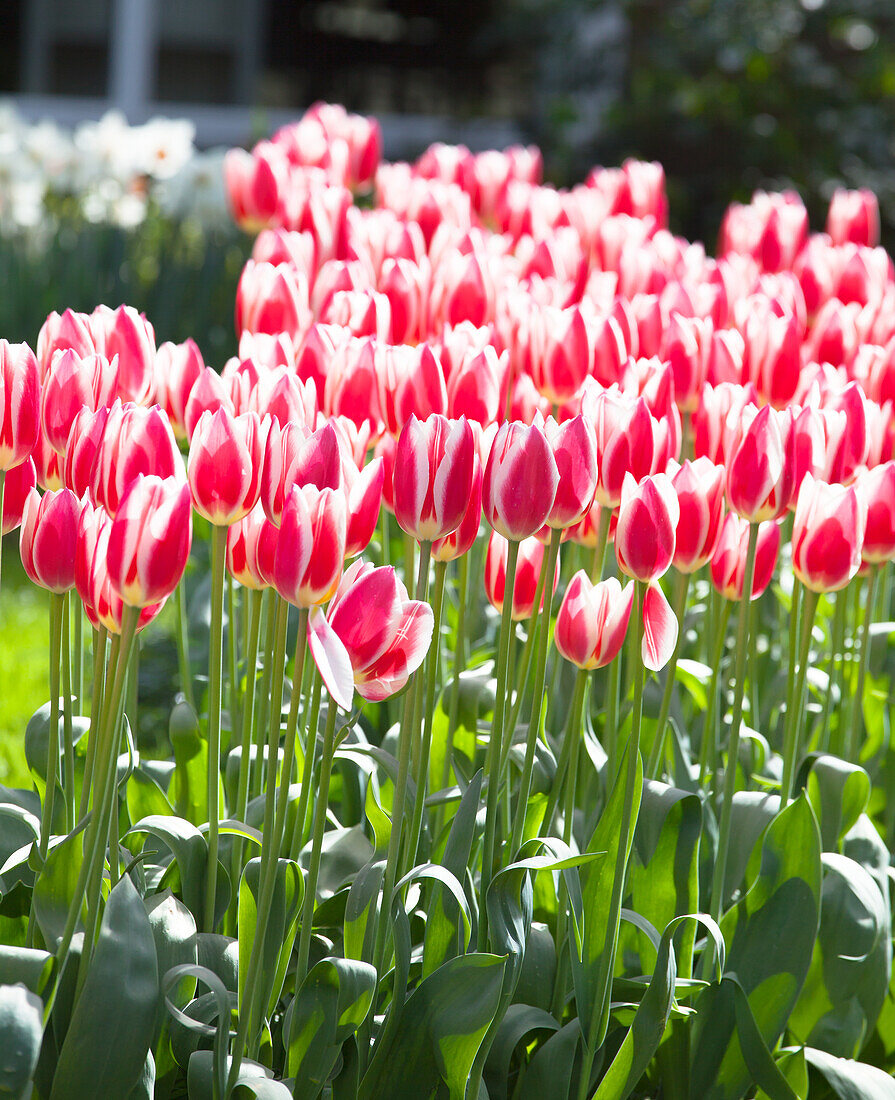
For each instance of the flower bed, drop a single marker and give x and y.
(574, 839)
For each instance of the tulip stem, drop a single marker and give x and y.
(264, 691)
(856, 717)
(57, 607)
(459, 666)
(307, 770)
(707, 747)
(794, 621)
(248, 713)
(100, 637)
(836, 672)
(610, 725)
(428, 713)
(307, 916)
(534, 620)
(658, 749)
(68, 745)
(537, 699)
(733, 742)
(233, 654)
(78, 661)
(183, 645)
(570, 743)
(793, 727)
(596, 571)
(215, 677)
(600, 1009)
(495, 741)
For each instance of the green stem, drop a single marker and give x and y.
(610, 726)
(856, 717)
(78, 663)
(495, 741)
(733, 744)
(658, 749)
(794, 621)
(233, 660)
(599, 1021)
(248, 714)
(836, 666)
(596, 569)
(793, 728)
(459, 666)
(57, 608)
(68, 744)
(307, 916)
(183, 646)
(100, 638)
(428, 713)
(524, 666)
(307, 770)
(215, 694)
(708, 747)
(265, 691)
(537, 701)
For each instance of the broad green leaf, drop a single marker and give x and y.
(770, 935)
(55, 888)
(253, 1080)
(663, 878)
(751, 813)
(596, 888)
(189, 784)
(25, 966)
(851, 964)
(379, 820)
(538, 975)
(144, 797)
(551, 1070)
(361, 910)
(21, 1030)
(280, 927)
(206, 1017)
(174, 932)
(436, 1040)
(332, 1003)
(343, 854)
(145, 1087)
(112, 1024)
(756, 1054)
(839, 792)
(520, 1021)
(851, 1080)
(791, 1063)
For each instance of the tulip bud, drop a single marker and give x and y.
(19, 404)
(49, 538)
(520, 482)
(293, 455)
(149, 540)
(827, 535)
(592, 620)
(728, 565)
(853, 216)
(225, 465)
(69, 332)
(310, 546)
(647, 520)
(528, 570)
(433, 475)
(700, 492)
(208, 394)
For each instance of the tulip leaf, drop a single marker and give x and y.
(55, 888)
(751, 813)
(851, 1080)
(111, 1028)
(331, 1004)
(21, 1031)
(176, 944)
(839, 792)
(555, 1065)
(25, 966)
(145, 798)
(520, 1021)
(280, 927)
(439, 1032)
(361, 909)
(770, 935)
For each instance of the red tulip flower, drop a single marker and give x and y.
(135, 441)
(700, 492)
(102, 603)
(574, 449)
(520, 482)
(69, 331)
(256, 184)
(827, 535)
(853, 217)
(647, 521)
(73, 384)
(560, 353)
(49, 537)
(272, 298)
(760, 464)
(310, 546)
(434, 463)
(877, 488)
(17, 486)
(251, 546)
(19, 403)
(528, 570)
(475, 384)
(363, 496)
(411, 383)
(728, 565)
(208, 394)
(459, 542)
(629, 441)
(225, 465)
(127, 334)
(149, 540)
(592, 620)
(178, 368)
(373, 637)
(84, 442)
(293, 455)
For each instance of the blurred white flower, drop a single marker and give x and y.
(197, 190)
(163, 146)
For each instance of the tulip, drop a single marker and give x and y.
(629, 440)
(716, 418)
(520, 482)
(360, 313)
(528, 570)
(135, 441)
(270, 350)
(699, 487)
(102, 603)
(575, 452)
(461, 541)
(474, 385)
(84, 442)
(853, 216)
(272, 298)
(352, 383)
(560, 353)
(178, 367)
(19, 404)
(404, 283)
(363, 494)
(647, 520)
(49, 538)
(293, 455)
(310, 546)
(827, 535)
(73, 384)
(251, 545)
(225, 465)
(433, 475)
(149, 540)
(46, 464)
(687, 346)
(876, 486)
(371, 622)
(411, 383)
(256, 184)
(314, 356)
(592, 620)
(69, 332)
(282, 396)
(728, 562)
(760, 464)
(17, 485)
(128, 335)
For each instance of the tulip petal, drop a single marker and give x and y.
(331, 658)
(660, 628)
